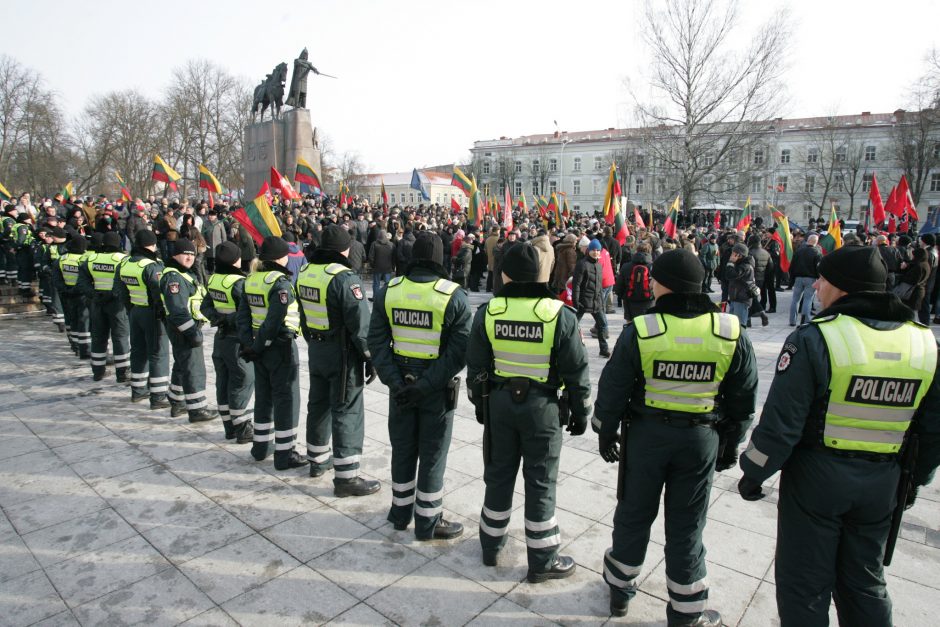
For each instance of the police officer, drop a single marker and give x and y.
(65, 278)
(23, 245)
(8, 274)
(234, 377)
(107, 316)
(524, 345)
(851, 389)
(418, 341)
(335, 323)
(139, 291)
(48, 260)
(680, 375)
(182, 296)
(268, 322)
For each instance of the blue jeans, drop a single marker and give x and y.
(740, 310)
(802, 288)
(379, 280)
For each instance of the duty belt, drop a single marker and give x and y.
(534, 387)
(671, 418)
(865, 455)
(316, 336)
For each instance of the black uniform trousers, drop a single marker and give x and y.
(9, 265)
(188, 376)
(834, 515)
(681, 459)
(277, 401)
(77, 322)
(328, 415)
(528, 432)
(420, 438)
(150, 354)
(108, 319)
(234, 379)
(25, 272)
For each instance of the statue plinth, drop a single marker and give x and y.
(279, 143)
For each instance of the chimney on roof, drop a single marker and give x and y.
(866, 113)
(503, 137)
(556, 133)
(778, 120)
(610, 128)
(899, 113)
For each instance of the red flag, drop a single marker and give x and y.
(905, 200)
(874, 195)
(507, 211)
(905, 224)
(455, 205)
(638, 219)
(717, 222)
(211, 201)
(280, 182)
(891, 207)
(892, 226)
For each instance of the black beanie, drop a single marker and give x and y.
(680, 271)
(929, 239)
(97, 238)
(428, 245)
(227, 253)
(77, 245)
(273, 248)
(145, 238)
(182, 246)
(855, 269)
(111, 239)
(334, 238)
(58, 232)
(521, 263)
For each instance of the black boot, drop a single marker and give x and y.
(708, 618)
(123, 375)
(319, 471)
(229, 429)
(177, 409)
(490, 557)
(244, 433)
(202, 415)
(561, 568)
(98, 375)
(137, 397)
(83, 353)
(445, 530)
(261, 450)
(764, 320)
(294, 460)
(618, 604)
(354, 487)
(159, 402)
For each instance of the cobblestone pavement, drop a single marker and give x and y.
(113, 514)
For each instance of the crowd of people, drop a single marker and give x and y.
(676, 397)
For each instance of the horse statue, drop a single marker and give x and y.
(270, 93)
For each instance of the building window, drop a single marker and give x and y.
(638, 185)
(935, 182)
(535, 166)
(708, 158)
(785, 155)
(810, 185)
(517, 189)
(486, 190)
(640, 161)
(733, 158)
(597, 163)
(759, 156)
(808, 212)
(866, 182)
(757, 183)
(518, 167)
(391, 198)
(552, 187)
(486, 167)
(576, 187)
(553, 165)
(577, 208)
(782, 183)
(577, 164)
(731, 183)
(838, 183)
(869, 153)
(936, 151)
(535, 188)
(842, 154)
(661, 186)
(812, 155)
(597, 186)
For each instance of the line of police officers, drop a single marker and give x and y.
(852, 389)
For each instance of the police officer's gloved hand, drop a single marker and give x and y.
(248, 354)
(193, 338)
(911, 497)
(370, 371)
(577, 425)
(478, 412)
(726, 461)
(749, 489)
(408, 396)
(609, 447)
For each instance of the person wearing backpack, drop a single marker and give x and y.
(633, 283)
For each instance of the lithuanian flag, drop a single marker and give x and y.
(125, 192)
(672, 219)
(522, 203)
(163, 172)
(745, 222)
(461, 182)
(477, 206)
(256, 217)
(208, 181)
(4, 194)
(782, 235)
(69, 190)
(832, 240)
(553, 211)
(612, 210)
(304, 175)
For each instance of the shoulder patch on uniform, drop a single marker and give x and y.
(356, 289)
(283, 297)
(786, 357)
(174, 287)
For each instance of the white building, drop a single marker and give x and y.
(799, 165)
(399, 190)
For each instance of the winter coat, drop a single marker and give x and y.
(382, 255)
(740, 278)
(626, 272)
(546, 257)
(709, 256)
(565, 259)
(586, 287)
(357, 255)
(762, 264)
(461, 263)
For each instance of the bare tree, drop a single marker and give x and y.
(537, 167)
(822, 168)
(352, 170)
(851, 171)
(712, 103)
(916, 142)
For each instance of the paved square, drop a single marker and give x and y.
(113, 514)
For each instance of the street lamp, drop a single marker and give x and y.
(561, 176)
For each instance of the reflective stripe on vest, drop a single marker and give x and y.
(522, 333)
(195, 299)
(69, 265)
(685, 359)
(416, 315)
(312, 285)
(879, 378)
(257, 290)
(219, 290)
(103, 267)
(132, 275)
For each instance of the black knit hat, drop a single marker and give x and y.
(77, 245)
(855, 269)
(680, 271)
(227, 253)
(334, 238)
(111, 239)
(428, 245)
(929, 239)
(521, 263)
(183, 246)
(58, 232)
(273, 248)
(145, 238)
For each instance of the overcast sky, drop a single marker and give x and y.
(419, 81)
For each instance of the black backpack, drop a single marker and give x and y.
(638, 289)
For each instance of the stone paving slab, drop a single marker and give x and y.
(114, 514)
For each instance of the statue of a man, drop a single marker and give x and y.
(297, 95)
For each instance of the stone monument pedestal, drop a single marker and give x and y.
(279, 143)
